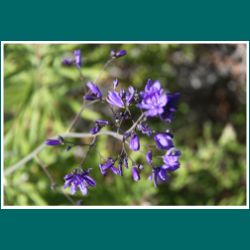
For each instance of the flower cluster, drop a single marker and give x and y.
(132, 112)
(79, 179)
(77, 60)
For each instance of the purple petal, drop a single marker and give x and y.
(114, 99)
(134, 143)
(68, 177)
(125, 162)
(83, 189)
(77, 54)
(95, 92)
(171, 160)
(121, 53)
(156, 85)
(150, 177)
(115, 170)
(90, 181)
(67, 183)
(120, 169)
(148, 85)
(73, 188)
(130, 95)
(155, 177)
(144, 129)
(102, 122)
(164, 140)
(162, 175)
(149, 157)
(104, 167)
(135, 174)
(53, 142)
(67, 61)
(117, 54)
(115, 83)
(95, 129)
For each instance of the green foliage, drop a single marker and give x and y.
(41, 98)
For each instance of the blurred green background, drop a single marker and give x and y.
(41, 98)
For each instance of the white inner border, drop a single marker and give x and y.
(123, 207)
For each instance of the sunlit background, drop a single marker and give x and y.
(41, 97)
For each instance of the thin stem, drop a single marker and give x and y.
(75, 120)
(136, 123)
(80, 74)
(73, 123)
(35, 152)
(67, 196)
(90, 146)
(46, 171)
(53, 184)
(26, 159)
(103, 69)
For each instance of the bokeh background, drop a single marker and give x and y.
(41, 98)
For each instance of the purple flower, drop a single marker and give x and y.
(129, 95)
(114, 99)
(99, 124)
(102, 122)
(78, 62)
(164, 140)
(67, 61)
(109, 165)
(115, 83)
(122, 98)
(120, 168)
(117, 54)
(171, 160)
(143, 127)
(125, 162)
(93, 93)
(149, 157)
(135, 174)
(53, 142)
(153, 99)
(134, 143)
(159, 174)
(171, 107)
(79, 179)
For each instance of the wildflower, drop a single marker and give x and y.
(93, 93)
(129, 95)
(122, 98)
(159, 174)
(149, 157)
(79, 179)
(78, 62)
(164, 140)
(114, 99)
(117, 54)
(109, 165)
(99, 124)
(171, 160)
(134, 143)
(120, 168)
(115, 83)
(67, 61)
(135, 174)
(125, 162)
(143, 127)
(153, 99)
(170, 108)
(54, 142)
